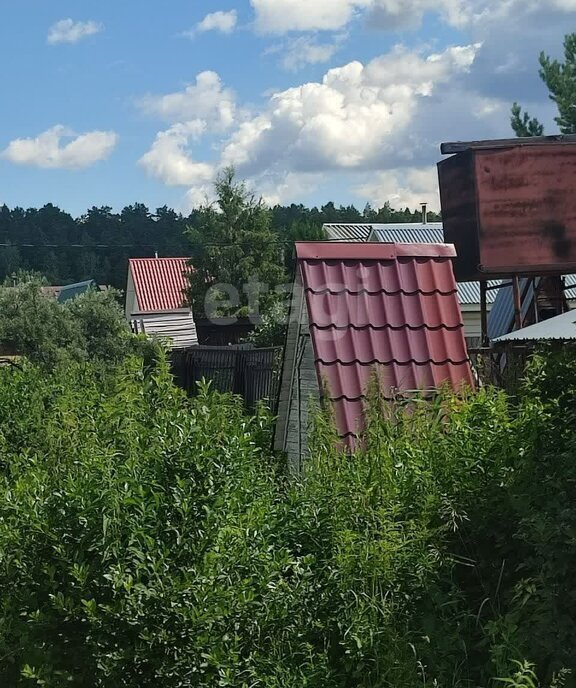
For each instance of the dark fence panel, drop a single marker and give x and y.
(220, 332)
(254, 374)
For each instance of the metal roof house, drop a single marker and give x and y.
(360, 308)
(424, 233)
(155, 300)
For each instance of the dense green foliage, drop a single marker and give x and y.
(147, 539)
(90, 326)
(236, 257)
(560, 80)
(97, 245)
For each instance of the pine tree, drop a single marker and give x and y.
(560, 79)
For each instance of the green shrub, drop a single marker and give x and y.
(147, 539)
(88, 327)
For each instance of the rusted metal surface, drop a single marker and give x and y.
(511, 210)
(461, 146)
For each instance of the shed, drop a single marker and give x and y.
(360, 308)
(156, 301)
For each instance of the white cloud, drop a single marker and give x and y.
(169, 160)
(69, 31)
(49, 150)
(360, 119)
(403, 188)
(353, 119)
(205, 100)
(304, 50)
(225, 22)
(281, 16)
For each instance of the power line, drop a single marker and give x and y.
(240, 244)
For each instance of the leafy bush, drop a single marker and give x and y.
(90, 326)
(148, 539)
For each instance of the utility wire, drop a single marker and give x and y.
(284, 242)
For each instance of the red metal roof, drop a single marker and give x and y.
(389, 308)
(159, 282)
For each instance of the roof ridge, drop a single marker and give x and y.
(383, 290)
(388, 326)
(159, 258)
(395, 361)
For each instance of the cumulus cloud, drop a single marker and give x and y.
(50, 150)
(69, 31)
(359, 118)
(224, 22)
(402, 187)
(206, 100)
(169, 158)
(372, 128)
(352, 120)
(281, 16)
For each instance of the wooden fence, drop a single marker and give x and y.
(253, 374)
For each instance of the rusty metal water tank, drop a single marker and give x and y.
(509, 206)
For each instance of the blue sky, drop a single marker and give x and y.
(111, 103)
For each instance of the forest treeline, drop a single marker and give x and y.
(98, 244)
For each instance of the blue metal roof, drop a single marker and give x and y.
(71, 291)
(408, 233)
(501, 318)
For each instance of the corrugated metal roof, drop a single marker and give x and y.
(336, 231)
(392, 308)
(501, 317)
(159, 282)
(429, 233)
(408, 232)
(559, 327)
(71, 291)
(178, 327)
(570, 282)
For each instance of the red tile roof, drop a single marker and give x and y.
(159, 282)
(392, 308)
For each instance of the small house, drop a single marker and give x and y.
(364, 308)
(156, 300)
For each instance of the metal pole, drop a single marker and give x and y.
(517, 302)
(483, 314)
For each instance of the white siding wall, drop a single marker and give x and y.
(472, 323)
(131, 300)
